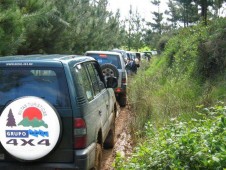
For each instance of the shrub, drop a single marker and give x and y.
(195, 144)
(166, 95)
(212, 60)
(162, 43)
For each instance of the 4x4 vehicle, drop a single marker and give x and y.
(124, 55)
(131, 55)
(112, 64)
(56, 112)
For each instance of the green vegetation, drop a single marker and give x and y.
(165, 93)
(194, 144)
(164, 97)
(75, 26)
(52, 26)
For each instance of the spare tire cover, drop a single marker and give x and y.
(109, 70)
(29, 128)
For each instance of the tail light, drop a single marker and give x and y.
(124, 79)
(118, 90)
(80, 133)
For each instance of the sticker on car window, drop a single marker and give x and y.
(89, 94)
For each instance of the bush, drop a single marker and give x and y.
(212, 60)
(166, 95)
(196, 144)
(162, 43)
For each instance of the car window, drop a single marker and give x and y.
(82, 79)
(98, 75)
(107, 58)
(93, 77)
(49, 84)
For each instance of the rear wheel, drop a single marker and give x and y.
(110, 140)
(98, 157)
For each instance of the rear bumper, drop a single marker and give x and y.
(83, 160)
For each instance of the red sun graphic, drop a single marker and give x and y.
(32, 112)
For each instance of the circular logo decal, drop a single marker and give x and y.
(30, 128)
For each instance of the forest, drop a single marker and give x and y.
(75, 26)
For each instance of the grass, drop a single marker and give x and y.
(166, 96)
(195, 144)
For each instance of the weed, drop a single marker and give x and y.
(195, 144)
(168, 130)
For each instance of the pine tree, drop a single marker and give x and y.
(187, 11)
(217, 4)
(11, 27)
(43, 26)
(173, 13)
(158, 17)
(11, 120)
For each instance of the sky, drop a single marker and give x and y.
(144, 7)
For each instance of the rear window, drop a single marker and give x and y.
(49, 84)
(107, 58)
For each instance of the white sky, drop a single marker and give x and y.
(144, 7)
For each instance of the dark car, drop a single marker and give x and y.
(56, 112)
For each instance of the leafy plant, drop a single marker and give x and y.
(168, 130)
(212, 59)
(195, 144)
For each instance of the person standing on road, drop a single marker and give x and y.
(149, 57)
(132, 66)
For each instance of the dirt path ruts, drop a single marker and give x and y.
(123, 139)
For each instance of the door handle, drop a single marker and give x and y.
(100, 112)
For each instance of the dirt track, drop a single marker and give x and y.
(123, 139)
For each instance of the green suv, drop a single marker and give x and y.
(57, 112)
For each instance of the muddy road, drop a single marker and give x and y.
(123, 139)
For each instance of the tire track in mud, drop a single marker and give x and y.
(123, 139)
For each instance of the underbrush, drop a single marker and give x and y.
(166, 92)
(156, 97)
(181, 78)
(195, 144)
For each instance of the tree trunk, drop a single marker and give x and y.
(204, 11)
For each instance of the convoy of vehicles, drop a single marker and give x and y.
(58, 111)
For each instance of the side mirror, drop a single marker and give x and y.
(112, 82)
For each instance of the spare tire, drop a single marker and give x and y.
(30, 128)
(109, 70)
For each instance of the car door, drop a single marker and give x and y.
(105, 92)
(100, 95)
(89, 99)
